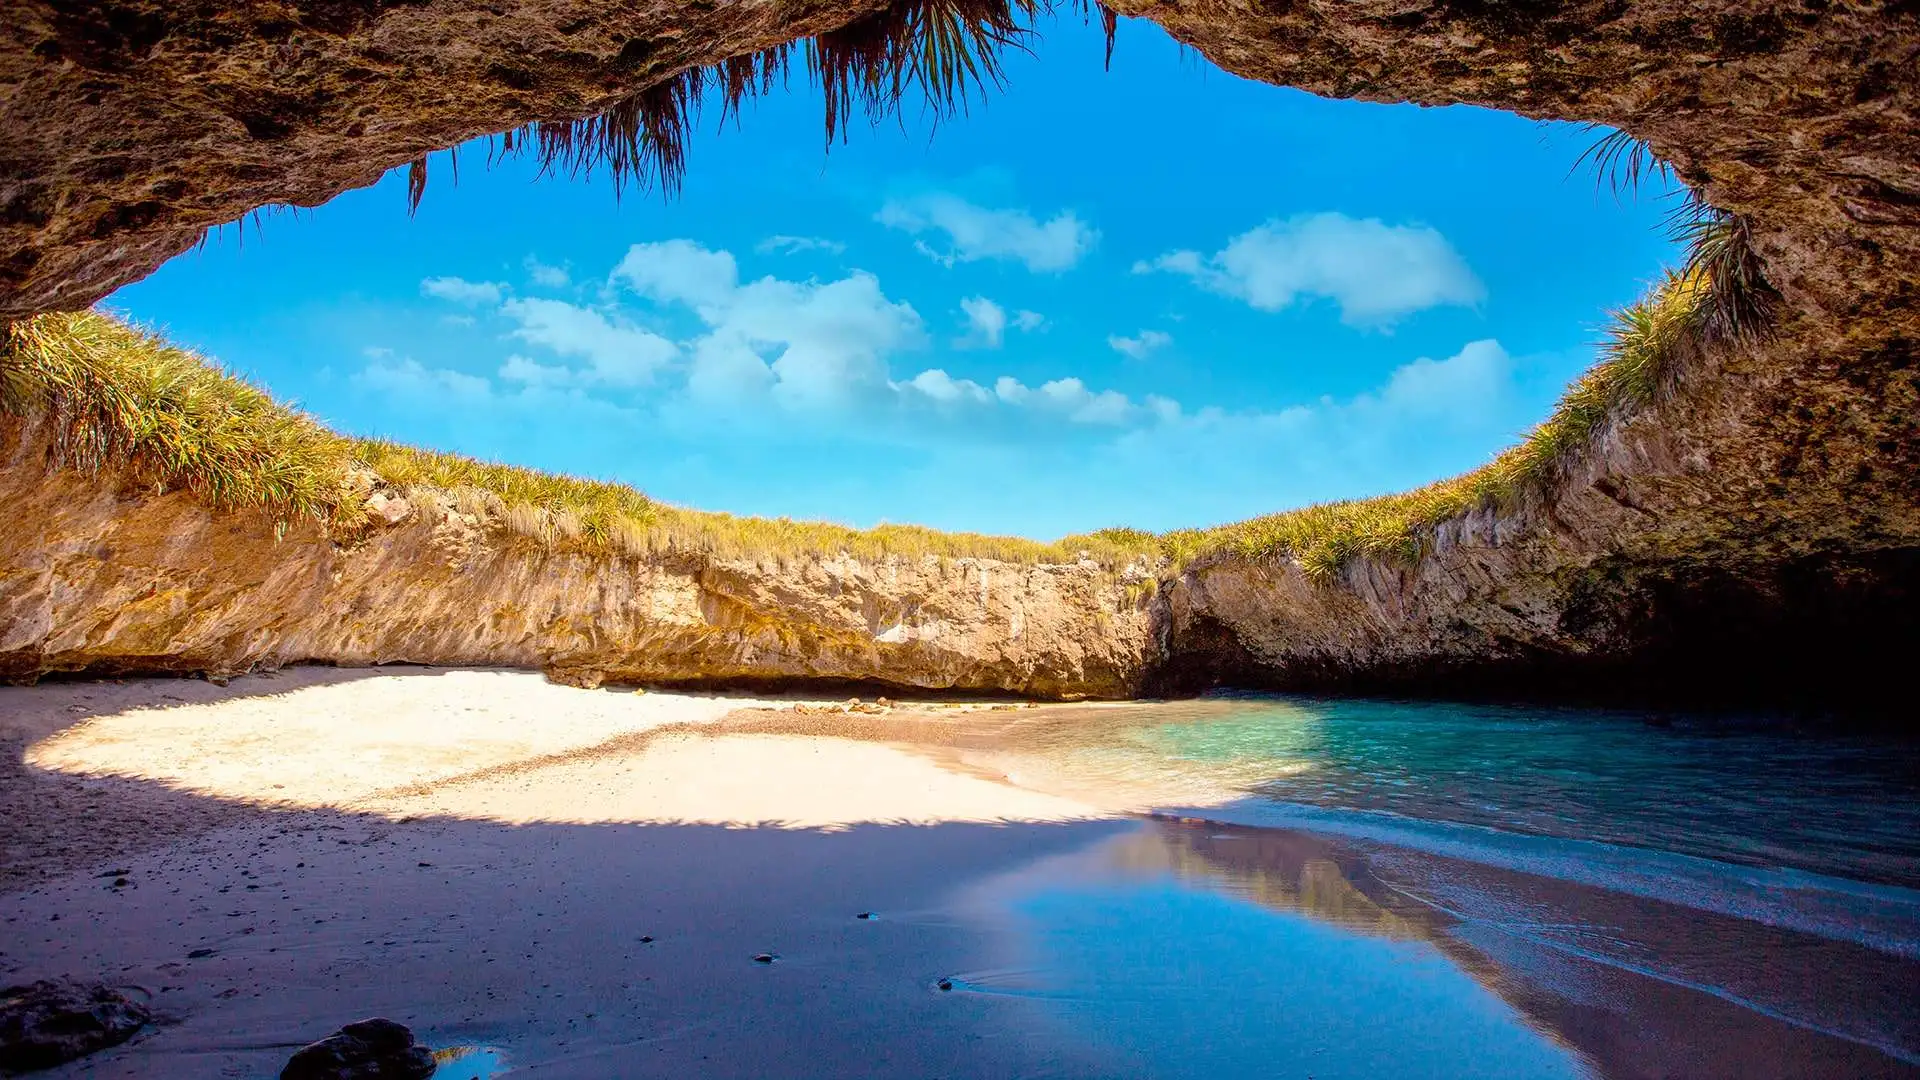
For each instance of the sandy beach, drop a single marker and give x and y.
(555, 882)
(478, 854)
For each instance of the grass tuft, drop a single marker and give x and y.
(118, 397)
(944, 51)
(1718, 296)
(115, 396)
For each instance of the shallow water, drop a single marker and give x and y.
(1512, 891)
(1746, 793)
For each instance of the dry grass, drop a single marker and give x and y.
(942, 51)
(1718, 296)
(117, 396)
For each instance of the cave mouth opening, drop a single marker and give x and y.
(1740, 457)
(631, 337)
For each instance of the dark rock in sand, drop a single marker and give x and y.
(376, 1049)
(53, 1021)
(763, 958)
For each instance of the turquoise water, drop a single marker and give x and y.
(1752, 793)
(1453, 890)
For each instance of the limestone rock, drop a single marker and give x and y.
(387, 508)
(53, 1021)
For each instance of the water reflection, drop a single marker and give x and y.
(1196, 950)
(468, 1063)
(1241, 976)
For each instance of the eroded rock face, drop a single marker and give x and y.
(129, 126)
(100, 579)
(1769, 504)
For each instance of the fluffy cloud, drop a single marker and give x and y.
(1465, 388)
(936, 385)
(972, 233)
(808, 343)
(617, 352)
(409, 378)
(462, 291)
(1140, 345)
(986, 321)
(679, 272)
(1070, 398)
(531, 373)
(1376, 273)
(1028, 321)
(546, 276)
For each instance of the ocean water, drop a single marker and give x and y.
(1454, 890)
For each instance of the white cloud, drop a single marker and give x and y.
(462, 291)
(986, 321)
(1464, 388)
(1139, 346)
(974, 232)
(794, 245)
(1028, 321)
(618, 352)
(1376, 273)
(1069, 397)
(938, 386)
(810, 344)
(409, 378)
(547, 276)
(679, 271)
(534, 374)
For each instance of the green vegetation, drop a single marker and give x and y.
(1718, 296)
(115, 396)
(119, 397)
(946, 50)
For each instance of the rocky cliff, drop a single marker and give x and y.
(1755, 528)
(98, 577)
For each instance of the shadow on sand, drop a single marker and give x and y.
(627, 949)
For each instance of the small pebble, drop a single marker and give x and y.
(946, 984)
(646, 939)
(763, 958)
(199, 954)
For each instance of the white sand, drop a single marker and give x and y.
(511, 747)
(478, 855)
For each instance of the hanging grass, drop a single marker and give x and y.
(945, 52)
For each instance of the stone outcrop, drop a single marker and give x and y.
(376, 1049)
(95, 577)
(1758, 523)
(127, 127)
(54, 1021)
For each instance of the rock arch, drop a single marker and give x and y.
(1771, 503)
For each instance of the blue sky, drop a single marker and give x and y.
(1156, 296)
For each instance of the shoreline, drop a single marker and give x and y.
(480, 855)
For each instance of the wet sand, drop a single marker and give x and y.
(480, 855)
